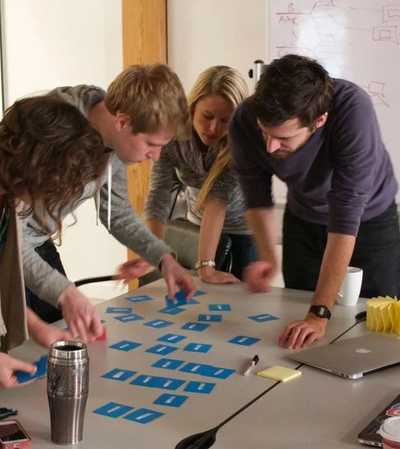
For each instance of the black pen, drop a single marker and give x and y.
(249, 368)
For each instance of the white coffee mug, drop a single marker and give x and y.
(350, 290)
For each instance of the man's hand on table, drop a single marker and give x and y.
(8, 366)
(258, 275)
(82, 318)
(299, 334)
(176, 277)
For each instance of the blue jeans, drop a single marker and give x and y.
(234, 253)
(47, 312)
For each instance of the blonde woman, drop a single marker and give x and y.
(201, 168)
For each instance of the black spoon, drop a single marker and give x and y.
(206, 439)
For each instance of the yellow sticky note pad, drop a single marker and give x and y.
(280, 373)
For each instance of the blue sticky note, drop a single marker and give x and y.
(199, 293)
(170, 400)
(197, 347)
(138, 298)
(171, 338)
(263, 317)
(196, 327)
(207, 370)
(125, 310)
(161, 349)
(219, 307)
(158, 323)
(168, 363)
(41, 370)
(125, 345)
(172, 310)
(199, 387)
(244, 341)
(113, 410)
(157, 382)
(119, 374)
(143, 416)
(210, 318)
(129, 317)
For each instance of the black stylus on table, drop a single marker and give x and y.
(361, 316)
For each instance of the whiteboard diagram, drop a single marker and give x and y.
(358, 40)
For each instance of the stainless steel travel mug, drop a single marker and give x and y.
(67, 390)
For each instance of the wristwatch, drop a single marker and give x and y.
(320, 311)
(204, 263)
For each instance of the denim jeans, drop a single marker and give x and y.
(47, 312)
(376, 251)
(234, 253)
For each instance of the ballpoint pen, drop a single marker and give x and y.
(249, 367)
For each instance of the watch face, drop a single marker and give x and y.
(320, 311)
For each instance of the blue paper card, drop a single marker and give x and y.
(158, 323)
(196, 327)
(210, 318)
(113, 410)
(161, 349)
(171, 338)
(170, 400)
(157, 382)
(192, 301)
(119, 374)
(219, 307)
(199, 293)
(199, 387)
(172, 310)
(263, 317)
(119, 310)
(125, 345)
(41, 370)
(197, 347)
(143, 416)
(168, 363)
(129, 317)
(244, 341)
(138, 298)
(207, 370)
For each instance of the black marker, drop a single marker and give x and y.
(249, 368)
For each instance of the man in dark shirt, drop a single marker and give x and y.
(321, 137)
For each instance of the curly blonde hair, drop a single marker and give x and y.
(48, 153)
(229, 84)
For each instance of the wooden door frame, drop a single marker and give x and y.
(144, 31)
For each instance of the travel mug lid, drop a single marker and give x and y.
(390, 429)
(68, 350)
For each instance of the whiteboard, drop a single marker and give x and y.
(358, 40)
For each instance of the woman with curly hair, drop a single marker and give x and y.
(48, 153)
(201, 168)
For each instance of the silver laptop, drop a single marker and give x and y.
(353, 357)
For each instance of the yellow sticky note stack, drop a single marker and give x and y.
(383, 314)
(280, 373)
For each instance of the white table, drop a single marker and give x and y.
(200, 411)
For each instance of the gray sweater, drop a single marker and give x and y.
(125, 226)
(185, 165)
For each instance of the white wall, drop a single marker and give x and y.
(202, 33)
(51, 43)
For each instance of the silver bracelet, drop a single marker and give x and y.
(204, 263)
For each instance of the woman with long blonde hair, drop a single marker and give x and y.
(201, 168)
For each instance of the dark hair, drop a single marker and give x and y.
(48, 153)
(292, 87)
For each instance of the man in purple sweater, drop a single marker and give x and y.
(321, 137)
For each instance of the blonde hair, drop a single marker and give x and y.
(229, 84)
(153, 98)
